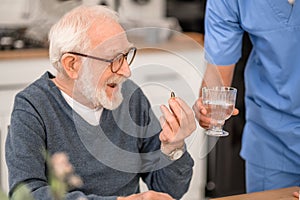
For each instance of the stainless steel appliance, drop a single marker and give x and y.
(15, 38)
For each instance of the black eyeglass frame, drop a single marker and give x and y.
(111, 61)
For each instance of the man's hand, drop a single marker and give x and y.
(177, 124)
(201, 112)
(148, 195)
(296, 194)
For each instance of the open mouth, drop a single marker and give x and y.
(112, 85)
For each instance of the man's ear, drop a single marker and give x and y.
(71, 65)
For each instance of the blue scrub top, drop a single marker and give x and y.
(272, 77)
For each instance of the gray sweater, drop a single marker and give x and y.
(110, 158)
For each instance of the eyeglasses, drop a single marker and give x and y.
(115, 63)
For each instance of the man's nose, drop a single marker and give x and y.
(124, 70)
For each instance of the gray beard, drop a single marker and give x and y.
(96, 96)
(99, 98)
(102, 99)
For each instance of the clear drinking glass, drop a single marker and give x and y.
(219, 102)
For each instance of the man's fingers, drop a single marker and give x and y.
(170, 118)
(235, 111)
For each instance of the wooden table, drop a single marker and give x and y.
(279, 194)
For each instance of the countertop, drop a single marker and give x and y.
(174, 43)
(23, 53)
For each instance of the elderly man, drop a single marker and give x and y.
(100, 119)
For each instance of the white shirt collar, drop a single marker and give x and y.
(92, 116)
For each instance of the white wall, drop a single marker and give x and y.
(17, 12)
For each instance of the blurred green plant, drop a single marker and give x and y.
(61, 179)
(61, 175)
(3, 195)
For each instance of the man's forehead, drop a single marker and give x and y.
(112, 46)
(105, 30)
(115, 40)
(109, 37)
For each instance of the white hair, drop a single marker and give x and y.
(70, 32)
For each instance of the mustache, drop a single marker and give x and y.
(116, 80)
